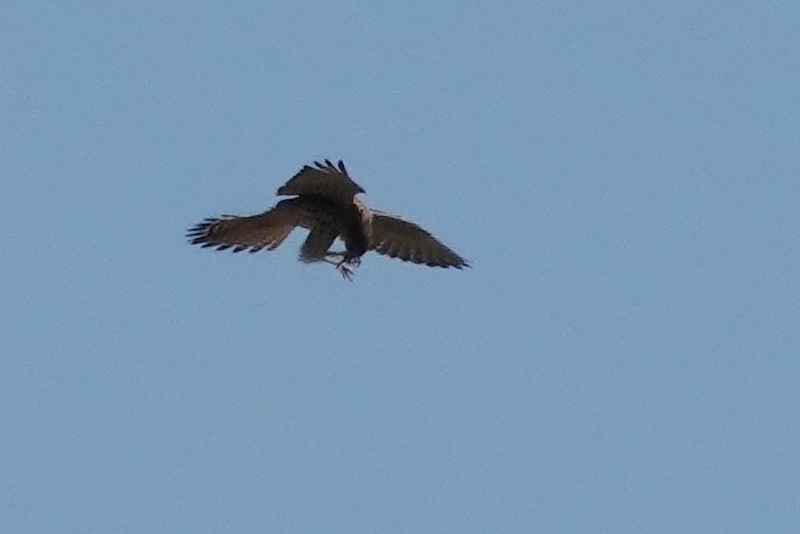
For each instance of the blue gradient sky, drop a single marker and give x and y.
(622, 357)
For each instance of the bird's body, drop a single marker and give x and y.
(325, 204)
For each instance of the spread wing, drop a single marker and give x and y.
(324, 179)
(267, 230)
(399, 238)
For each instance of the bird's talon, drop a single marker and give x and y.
(344, 268)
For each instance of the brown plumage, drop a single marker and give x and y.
(324, 202)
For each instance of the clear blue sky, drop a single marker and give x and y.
(624, 355)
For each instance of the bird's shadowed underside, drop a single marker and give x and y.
(324, 202)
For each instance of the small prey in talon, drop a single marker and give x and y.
(323, 201)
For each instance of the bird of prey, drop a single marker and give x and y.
(324, 202)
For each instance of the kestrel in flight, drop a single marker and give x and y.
(324, 202)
